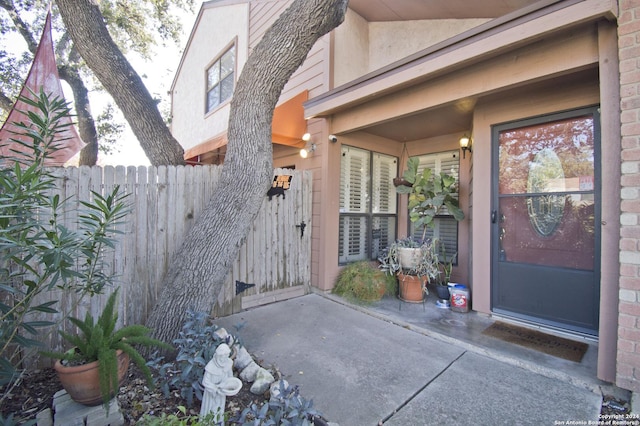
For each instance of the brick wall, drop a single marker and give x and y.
(628, 359)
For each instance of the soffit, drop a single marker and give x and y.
(406, 10)
(458, 118)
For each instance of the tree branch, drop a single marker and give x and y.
(91, 38)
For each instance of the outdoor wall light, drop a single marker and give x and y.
(465, 145)
(304, 152)
(309, 148)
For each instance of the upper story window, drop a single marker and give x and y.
(220, 79)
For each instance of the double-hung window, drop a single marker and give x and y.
(446, 227)
(220, 79)
(367, 204)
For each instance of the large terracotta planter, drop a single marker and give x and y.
(82, 383)
(411, 288)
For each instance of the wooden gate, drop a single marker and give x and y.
(275, 259)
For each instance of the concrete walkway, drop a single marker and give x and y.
(361, 370)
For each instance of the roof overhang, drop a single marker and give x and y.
(288, 124)
(407, 10)
(486, 41)
(287, 127)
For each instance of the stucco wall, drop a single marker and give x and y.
(392, 41)
(628, 360)
(362, 47)
(351, 52)
(217, 29)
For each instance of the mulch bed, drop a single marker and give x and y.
(35, 391)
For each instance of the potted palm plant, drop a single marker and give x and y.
(92, 370)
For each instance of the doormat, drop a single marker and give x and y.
(533, 339)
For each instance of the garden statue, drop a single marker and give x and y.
(218, 383)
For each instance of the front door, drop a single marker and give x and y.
(545, 238)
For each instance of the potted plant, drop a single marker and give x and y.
(429, 194)
(442, 287)
(412, 280)
(91, 371)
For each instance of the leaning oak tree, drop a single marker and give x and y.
(199, 268)
(91, 38)
(136, 26)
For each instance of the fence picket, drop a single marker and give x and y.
(165, 202)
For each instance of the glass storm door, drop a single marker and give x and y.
(545, 257)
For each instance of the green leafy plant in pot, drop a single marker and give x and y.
(101, 353)
(412, 277)
(429, 195)
(446, 265)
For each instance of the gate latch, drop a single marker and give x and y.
(301, 225)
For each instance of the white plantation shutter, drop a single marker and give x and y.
(353, 239)
(385, 168)
(354, 180)
(367, 204)
(446, 228)
(384, 233)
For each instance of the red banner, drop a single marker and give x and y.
(42, 76)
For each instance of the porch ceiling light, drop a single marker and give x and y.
(465, 145)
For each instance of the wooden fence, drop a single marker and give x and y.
(165, 202)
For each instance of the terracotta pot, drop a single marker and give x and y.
(82, 383)
(411, 288)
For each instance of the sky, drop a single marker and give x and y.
(157, 75)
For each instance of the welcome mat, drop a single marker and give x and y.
(532, 339)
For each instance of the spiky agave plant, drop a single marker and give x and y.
(99, 341)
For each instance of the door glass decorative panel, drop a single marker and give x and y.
(546, 194)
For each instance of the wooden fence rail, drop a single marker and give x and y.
(165, 202)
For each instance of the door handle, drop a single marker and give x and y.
(494, 216)
(301, 226)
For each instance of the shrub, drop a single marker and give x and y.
(196, 344)
(38, 254)
(288, 408)
(363, 281)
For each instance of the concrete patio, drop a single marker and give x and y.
(409, 364)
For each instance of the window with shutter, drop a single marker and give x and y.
(446, 227)
(367, 204)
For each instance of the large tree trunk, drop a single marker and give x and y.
(90, 36)
(200, 267)
(86, 125)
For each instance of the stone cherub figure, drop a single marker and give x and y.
(218, 383)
